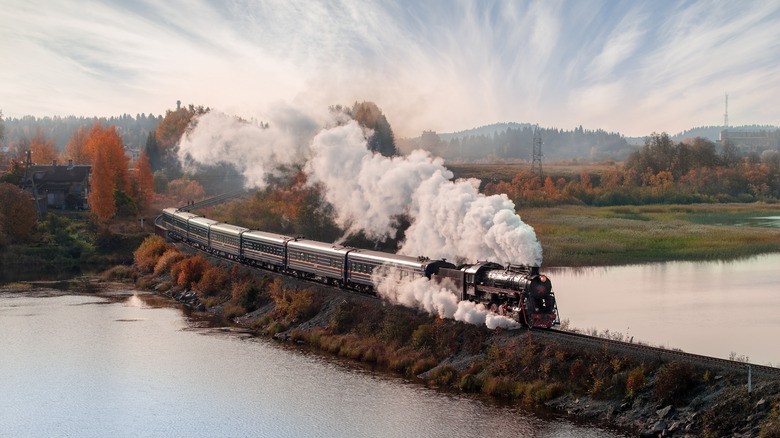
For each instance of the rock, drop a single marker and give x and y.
(762, 405)
(657, 429)
(664, 413)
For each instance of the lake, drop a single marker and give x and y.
(132, 364)
(711, 308)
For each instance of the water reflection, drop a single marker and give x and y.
(131, 369)
(712, 308)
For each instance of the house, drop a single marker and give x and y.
(58, 186)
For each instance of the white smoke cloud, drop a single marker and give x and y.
(435, 298)
(255, 150)
(450, 219)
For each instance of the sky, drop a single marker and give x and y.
(634, 67)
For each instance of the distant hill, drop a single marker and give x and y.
(514, 141)
(711, 133)
(484, 130)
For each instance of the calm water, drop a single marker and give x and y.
(711, 308)
(87, 366)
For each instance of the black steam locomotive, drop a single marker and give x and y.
(518, 292)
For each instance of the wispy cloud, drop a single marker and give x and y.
(633, 67)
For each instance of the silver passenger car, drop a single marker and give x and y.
(362, 264)
(310, 258)
(198, 230)
(265, 249)
(226, 239)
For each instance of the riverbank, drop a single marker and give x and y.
(633, 392)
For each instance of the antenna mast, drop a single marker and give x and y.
(537, 157)
(726, 114)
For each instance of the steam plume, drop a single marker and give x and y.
(449, 218)
(257, 151)
(434, 298)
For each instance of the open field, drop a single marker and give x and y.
(507, 171)
(593, 236)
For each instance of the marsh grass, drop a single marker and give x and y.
(589, 236)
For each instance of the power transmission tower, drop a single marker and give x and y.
(536, 164)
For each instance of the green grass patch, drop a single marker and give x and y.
(592, 236)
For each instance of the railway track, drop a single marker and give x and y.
(659, 353)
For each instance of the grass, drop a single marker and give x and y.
(590, 236)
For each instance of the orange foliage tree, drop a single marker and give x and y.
(76, 147)
(43, 151)
(110, 143)
(101, 195)
(172, 127)
(143, 181)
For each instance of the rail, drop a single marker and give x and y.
(665, 354)
(213, 200)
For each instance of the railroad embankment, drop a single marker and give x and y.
(639, 392)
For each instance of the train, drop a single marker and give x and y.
(518, 292)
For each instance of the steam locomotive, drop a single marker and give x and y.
(518, 292)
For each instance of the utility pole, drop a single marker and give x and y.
(536, 164)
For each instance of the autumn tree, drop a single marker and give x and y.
(143, 181)
(43, 151)
(17, 214)
(101, 195)
(171, 129)
(76, 148)
(108, 142)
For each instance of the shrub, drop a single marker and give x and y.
(673, 382)
(189, 270)
(541, 392)
(396, 327)
(247, 294)
(577, 370)
(169, 258)
(423, 337)
(423, 365)
(149, 252)
(213, 281)
(293, 305)
(501, 387)
(636, 382)
(770, 427)
(444, 375)
(119, 272)
(727, 414)
(470, 383)
(343, 318)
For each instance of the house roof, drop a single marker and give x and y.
(59, 174)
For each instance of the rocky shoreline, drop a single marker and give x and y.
(716, 405)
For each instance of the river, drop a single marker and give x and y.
(132, 365)
(711, 308)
